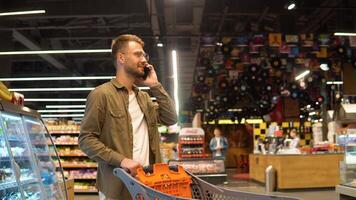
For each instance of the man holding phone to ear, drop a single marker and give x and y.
(119, 128)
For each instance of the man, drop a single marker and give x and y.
(218, 144)
(119, 126)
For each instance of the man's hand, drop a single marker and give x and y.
(130, 165)
(151, 79)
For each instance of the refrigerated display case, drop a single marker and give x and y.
(345, 116)
(347, 187)
(27, 170)
(191, 143)
(211, 170)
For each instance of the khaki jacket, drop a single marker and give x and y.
(106, 130)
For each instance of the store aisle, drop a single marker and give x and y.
(251, 186)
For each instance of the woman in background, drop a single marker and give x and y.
(295, 139)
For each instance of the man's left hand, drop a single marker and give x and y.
(151, 79)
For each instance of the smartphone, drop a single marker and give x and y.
(146, 70)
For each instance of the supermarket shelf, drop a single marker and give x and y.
(85, 191)
(12, 184)
(7, 185)
(64, 132)
(191, 142)
(193, 156)
(78, 166)
(15, 158)
(71, 155)
(65, 144)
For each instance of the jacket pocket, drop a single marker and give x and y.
(117, 121)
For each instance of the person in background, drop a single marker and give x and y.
(218, 144)
(119, 128)
(295, 139)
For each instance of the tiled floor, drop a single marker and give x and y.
(251, 186)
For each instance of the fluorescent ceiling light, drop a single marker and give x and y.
(58, 89)
(60, 99)
(334, 83)
(30, 12)
(324, 67)
(175, 79)
(234, 110)
(159, 44)
(58, 78)
(54, 99)
(7, 53)
(61, 111)
(65, 106)
(291, 6)
(302, 75)
(312, 113)
(63, 115)
(344, 34)
(49, 89)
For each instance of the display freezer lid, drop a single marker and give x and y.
(10, 107)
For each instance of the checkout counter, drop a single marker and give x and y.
(297, 171)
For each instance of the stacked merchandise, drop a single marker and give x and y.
(191, 154)
(168, 145)
(191, 143)
(74, 162)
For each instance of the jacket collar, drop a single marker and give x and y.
(120, 86)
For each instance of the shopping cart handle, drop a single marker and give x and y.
(149, 168)
(127, 170)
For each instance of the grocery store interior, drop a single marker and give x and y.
(265, 93)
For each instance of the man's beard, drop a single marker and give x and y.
(134, 72)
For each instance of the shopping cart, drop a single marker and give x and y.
(199, 189)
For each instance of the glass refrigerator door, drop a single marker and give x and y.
(20, 156)
(8, 185)
(40, 139)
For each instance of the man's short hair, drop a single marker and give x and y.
(121, 41)
(218, 128)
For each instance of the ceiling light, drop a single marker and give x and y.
(61, 111)
(312, 113)
(30, 12)
(159, 44)
(6, 53)
(62, 115)
(334, 83)
(59, 89)
(58, 78)
(175, 79)
(49, 89)
(54, 99)
(324, 66)
(344, 34)
(291, 6)
(302, 75)
(65, 106)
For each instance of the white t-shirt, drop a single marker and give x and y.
(218, 145)
(140, 132)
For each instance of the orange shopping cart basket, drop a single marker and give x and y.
(163, 182)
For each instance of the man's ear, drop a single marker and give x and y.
(120, 58)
